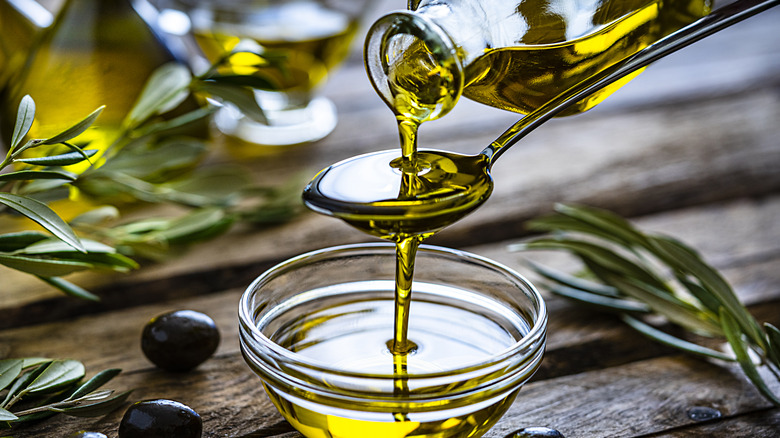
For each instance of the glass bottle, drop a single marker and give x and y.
(20, 22)
(510, 54)
(96, 52)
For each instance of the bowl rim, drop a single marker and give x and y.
(530, 343)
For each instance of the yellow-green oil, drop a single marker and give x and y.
(549, 59)
(305, 40)
(350, 332)
(95, 53)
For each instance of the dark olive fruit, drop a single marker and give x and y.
(86, 434)
(160, 419)
(535, 432)
(179, 341)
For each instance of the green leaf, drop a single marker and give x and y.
(75, 130)
(9, 371)
(98, 408)
(613, 226)
(7, 416)
(34, 361)
(102, 257)
(50, 246)
(221, 185)
(685, 259)
(192, 226)
(572, 281)
(95, 382)
(673, 341)
(166, 88)
(705, 297)
(43, 267)
(600, 301)
(58, 374)
(14, 241)
(242, 98)
(733, 334)
(60, 160)
(96, 216)
(23, 381)
(70, 289)
(600, 256)
(677, 311)
(160, 127)
(773, 338)
(24, 120)
(25, 175)
(44, 216)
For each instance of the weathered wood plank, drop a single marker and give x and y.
(760, 424)
(631, 400)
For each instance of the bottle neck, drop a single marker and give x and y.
(414, 65)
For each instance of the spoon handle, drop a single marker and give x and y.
(713, 22)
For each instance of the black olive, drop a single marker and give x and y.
(535, 432)
(160, 419)
(179, 341)
(87, 434)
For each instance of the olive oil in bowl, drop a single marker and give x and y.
(318, 328)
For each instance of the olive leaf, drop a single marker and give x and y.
(242, 98)
(61, 378)
(69, 288)
(44, 216)
(24, 120)
(734, 336)
(23, 175)
(9, 371)
(165, 89)
(99, 406)
(14, 241)
(61, 159)
(641, 274)
(75, 130)
(7, 415)
(55, 376)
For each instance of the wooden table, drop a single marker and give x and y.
(690, 148)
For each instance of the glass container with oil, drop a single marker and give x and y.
(21, 21)
(95, 53)
(317, 330)
(308, 39)
(514, 55)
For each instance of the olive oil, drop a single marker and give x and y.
(558, 50)
(519, 55)
(95, 53)
(310, 39)
(452, 328)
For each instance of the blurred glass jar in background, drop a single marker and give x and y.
(20, 23)
(304, 39)
(96, 52)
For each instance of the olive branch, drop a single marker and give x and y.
(45, 387)
(154, 160)
(637, 275)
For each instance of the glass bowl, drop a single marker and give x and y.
(315, 329)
